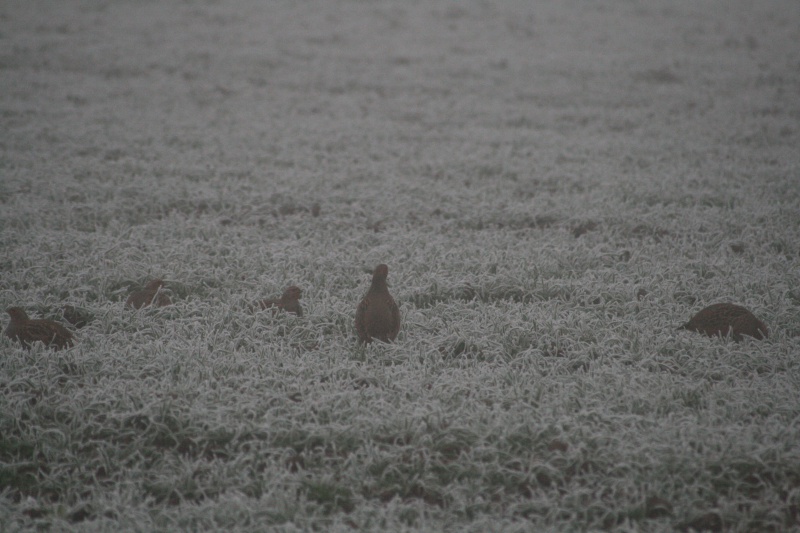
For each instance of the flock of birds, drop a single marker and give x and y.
(377, 316)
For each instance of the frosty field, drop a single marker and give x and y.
(555, 186)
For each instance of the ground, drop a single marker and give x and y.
(555, 186)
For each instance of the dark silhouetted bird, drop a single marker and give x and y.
(725, 318)
(28, 331)
(150, 295)
(377, 315)
(289, 301)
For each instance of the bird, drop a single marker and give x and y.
(150, 295)
(724, 318)
(289, 301)
(27, 331)
(377, 315)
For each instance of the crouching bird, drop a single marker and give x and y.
(377, 315)
(724, 318)
(289, 301)
(27, 331)
(150, 295)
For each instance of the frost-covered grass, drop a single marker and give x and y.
(555, 188)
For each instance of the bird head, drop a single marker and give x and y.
(154, 285)
(17, 314)
(292, 293)
(380, 273)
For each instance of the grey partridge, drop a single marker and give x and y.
(150, 295)
(377, 315)
(289, 301)
(723, 318)
(27, 331)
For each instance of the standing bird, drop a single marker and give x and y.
(724, 318)
(27, 331)
(150, 295)
(377, 315)
(289, 301)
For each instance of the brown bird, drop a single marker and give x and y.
(724, 318)
(377, 315)
(27, 331)
(150, 295)
(289, 301)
